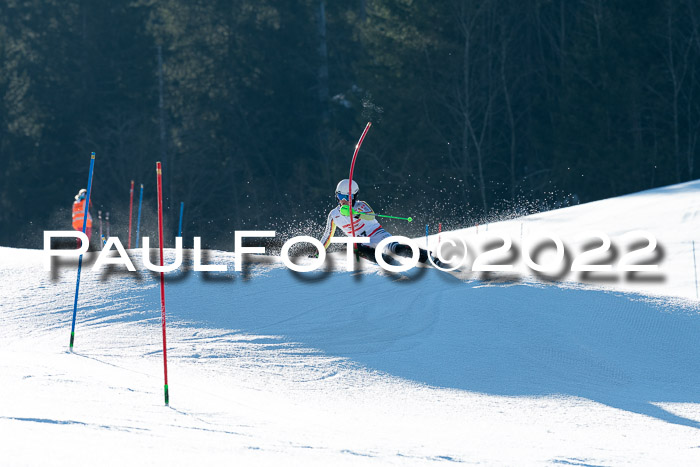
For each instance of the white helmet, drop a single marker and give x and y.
(343, 185)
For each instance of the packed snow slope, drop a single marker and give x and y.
(274, 367)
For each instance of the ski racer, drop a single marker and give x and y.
(365, 224)
(79, 214)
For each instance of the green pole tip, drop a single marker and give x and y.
(167, 396)
(410, 219)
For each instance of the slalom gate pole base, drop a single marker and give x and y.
(167, 396)
(72, 338)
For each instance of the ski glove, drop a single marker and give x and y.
(345, 210)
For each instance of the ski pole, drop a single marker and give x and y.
(345, 210)
(409, 219)
(138, 217)
(80, 261)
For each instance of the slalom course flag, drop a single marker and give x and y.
(352, 169)
(131, 208)
(138, 217)
(179, 227)
(80, 261)
(162, 276)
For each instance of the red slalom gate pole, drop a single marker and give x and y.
(439, 231)
(131, 209)
(162, 275)
(352, 169)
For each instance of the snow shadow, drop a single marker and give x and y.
(514, 340)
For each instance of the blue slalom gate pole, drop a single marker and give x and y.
(138, 219)
(80, 261)
(179, 228)
(427, 245)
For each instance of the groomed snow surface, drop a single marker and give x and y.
(272, 367)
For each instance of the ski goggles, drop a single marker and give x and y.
(342, 197)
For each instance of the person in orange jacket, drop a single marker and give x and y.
(79, 214)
